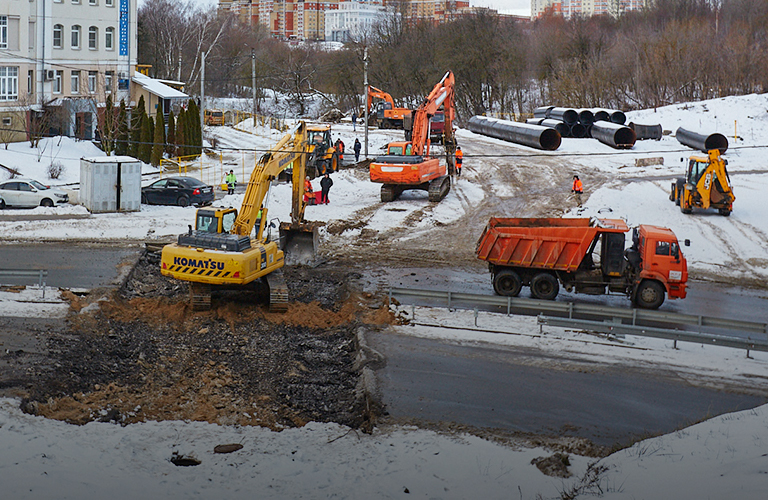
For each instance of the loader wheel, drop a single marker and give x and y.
(507, 282)
(724, 212)
(544, 286)
(650, 295)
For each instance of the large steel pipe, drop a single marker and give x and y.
(534, 136)
(618, 117)
(534, 121)
(586, 117)
(569, 116)
(562, 128)
(542, 111)
(615, 135)
(702, 142)
(646, 131)
(578, 130)
(601, 115)
(610, 115)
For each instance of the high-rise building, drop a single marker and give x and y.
(570, 8)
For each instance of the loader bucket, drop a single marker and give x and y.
(299, 242)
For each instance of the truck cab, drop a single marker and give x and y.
(661, 263)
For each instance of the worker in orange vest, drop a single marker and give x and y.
(309, 193)
(459, 161)
(577, 189)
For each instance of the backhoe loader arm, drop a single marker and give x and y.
(291, 150)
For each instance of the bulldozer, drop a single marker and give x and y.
(220, 251)
(706, 185)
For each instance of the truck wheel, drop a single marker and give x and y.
(507, 282)
(544, 286)
(650, 295)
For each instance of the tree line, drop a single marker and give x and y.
(673, 51)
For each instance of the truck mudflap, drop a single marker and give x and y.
(677, 290)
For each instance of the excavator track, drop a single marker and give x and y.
(390, 192)
(278, 291)
(439, 188)
(200, 296)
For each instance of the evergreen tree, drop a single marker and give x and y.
(159, 141)
(121, 138)
(145, 148)
(137, 116)
(195, 137)
(170, 143)
(180, 132)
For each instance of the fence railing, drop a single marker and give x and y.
(22, 274)
(258, 120)
(609, 319)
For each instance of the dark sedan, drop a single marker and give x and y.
(181, 191)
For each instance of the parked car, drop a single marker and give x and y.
(181, 191)
(30, 193)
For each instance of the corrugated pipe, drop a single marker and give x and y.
(534, 136)
(646, 131)
(615, 135)
(702, 142)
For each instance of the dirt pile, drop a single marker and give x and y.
(145, 355)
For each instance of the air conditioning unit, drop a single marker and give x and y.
(49, 75)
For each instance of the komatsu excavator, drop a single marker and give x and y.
(706, 185)
(220, 251)
(384, 112)
(408, 164)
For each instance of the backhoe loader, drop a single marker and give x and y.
(220, 251)
(706, 185)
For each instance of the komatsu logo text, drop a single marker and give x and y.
(201, 263)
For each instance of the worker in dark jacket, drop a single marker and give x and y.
(357, 148)
(325, 185)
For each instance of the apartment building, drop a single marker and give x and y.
(353, 20)
(586, 8)
(64, 57)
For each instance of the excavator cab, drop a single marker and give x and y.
(215, 220)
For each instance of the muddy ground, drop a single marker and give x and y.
(141, 354)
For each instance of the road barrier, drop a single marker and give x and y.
(610, 319)
(40, 274)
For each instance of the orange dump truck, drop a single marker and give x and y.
(585, 256)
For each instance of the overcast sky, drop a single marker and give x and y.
(519, 7)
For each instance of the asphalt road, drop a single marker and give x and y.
(521, 390)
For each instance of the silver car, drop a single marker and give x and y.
(30, 193)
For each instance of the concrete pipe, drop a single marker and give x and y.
(542, 111)
(701, 142)
(578, 131)
(646, 131)
(601, 115)
(534, 136)
(534, 121)
(615, 135)
(569, 116)
(586, 117)
(562, 128)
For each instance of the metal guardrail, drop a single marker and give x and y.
(40, 274)
(612, 317)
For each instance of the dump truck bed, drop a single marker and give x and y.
(542, 243)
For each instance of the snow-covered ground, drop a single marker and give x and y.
(721, 458)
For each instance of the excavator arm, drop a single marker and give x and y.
(374, 92)
(441, 95)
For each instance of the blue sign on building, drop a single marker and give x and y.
(124, 13)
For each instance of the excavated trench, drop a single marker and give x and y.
(143, 354)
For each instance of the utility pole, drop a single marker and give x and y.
(202, 95)
(253, 82)
(365, 96)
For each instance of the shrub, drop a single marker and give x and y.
(55, 169)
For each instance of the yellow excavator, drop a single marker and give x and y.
(706, 185)
(220, 251)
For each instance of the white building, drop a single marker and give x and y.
(586, 8)
(66, 55)
(353, 20)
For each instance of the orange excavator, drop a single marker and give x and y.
(408, 164)
(384, 112)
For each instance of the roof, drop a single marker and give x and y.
(158, 88)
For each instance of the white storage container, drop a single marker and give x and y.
(110, 184)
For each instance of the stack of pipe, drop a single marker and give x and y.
(581, 123)
(535, 136)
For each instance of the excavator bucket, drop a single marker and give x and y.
(299, 242)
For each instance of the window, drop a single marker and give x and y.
(93, 2)
(9, 83)
(31, 81)
(75, 37)
(109, 38)
(57, 81)
(75, 82)
(7, 121)
(662, 248)
(3, 32)
(58, 30)
(109, 3)
(76, 2)
(108, 79)
(93, 38)
(92, 82)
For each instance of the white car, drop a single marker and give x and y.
(30, 193)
